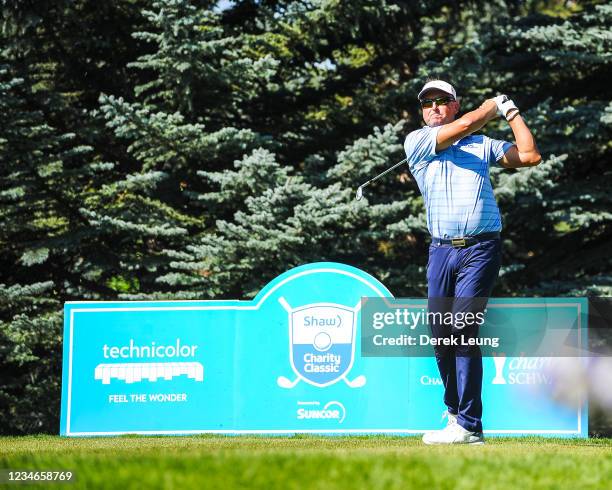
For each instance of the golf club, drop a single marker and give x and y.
(358, 382)
(360, 188)
(284, 382)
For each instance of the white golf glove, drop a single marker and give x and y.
(506, 107)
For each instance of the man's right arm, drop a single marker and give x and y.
(465, 125)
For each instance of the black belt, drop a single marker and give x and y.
(465, 241)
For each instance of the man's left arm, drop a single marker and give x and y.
(524, 153)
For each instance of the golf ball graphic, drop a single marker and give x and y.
(322, 341)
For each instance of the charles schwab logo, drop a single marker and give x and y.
(521, 370)
(429, 380)
(510, 371)
(333, 410)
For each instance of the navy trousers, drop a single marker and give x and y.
(461, 280)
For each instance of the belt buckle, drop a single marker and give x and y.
(458, 242)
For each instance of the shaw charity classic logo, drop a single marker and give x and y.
(321, 344)
(165, 365)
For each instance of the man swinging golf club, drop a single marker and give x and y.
(451, 167)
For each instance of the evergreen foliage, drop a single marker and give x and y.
(175, 149)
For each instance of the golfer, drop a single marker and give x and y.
(451, 167)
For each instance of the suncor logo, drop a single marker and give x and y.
(333, 410)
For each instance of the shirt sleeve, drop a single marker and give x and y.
(497, 149)
(420, 145)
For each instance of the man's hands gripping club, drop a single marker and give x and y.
(506, 107)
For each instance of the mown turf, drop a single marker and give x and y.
(305, 462)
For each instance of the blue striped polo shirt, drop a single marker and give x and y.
(455, 182)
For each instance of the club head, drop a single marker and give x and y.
(358, 382)
(359, 194)
(284, 382)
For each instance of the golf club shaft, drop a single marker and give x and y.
(384, 173)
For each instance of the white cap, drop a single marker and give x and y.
(440, 85)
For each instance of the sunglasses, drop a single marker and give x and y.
(428, 103)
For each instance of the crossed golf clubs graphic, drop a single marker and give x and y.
(285, 382)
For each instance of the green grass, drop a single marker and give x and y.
(305, 462)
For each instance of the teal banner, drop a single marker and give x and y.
(288, 361)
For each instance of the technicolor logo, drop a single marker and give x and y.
(163, 362)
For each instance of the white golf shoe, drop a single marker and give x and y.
(451, 417)
(453, 433)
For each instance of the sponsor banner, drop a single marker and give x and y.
(288, 361)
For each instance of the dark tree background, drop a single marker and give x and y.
(196, 149)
